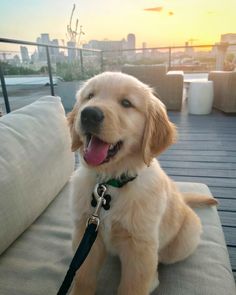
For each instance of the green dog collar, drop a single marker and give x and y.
(119, 182)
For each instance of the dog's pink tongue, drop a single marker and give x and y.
(96, 151)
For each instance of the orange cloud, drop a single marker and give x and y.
(154, 9)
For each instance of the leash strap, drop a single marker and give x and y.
(87, 241)
(81, 253)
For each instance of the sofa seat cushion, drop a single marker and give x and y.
(35, 163)
(37, 261)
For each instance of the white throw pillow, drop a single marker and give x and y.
(35, 163)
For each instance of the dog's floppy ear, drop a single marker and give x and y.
(159, 132)
(76, 142)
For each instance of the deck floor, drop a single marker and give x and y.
(206, 153)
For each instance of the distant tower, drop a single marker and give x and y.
(131, 41)
(24, 54)
(44, 39)
(55, 54)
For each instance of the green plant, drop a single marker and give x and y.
(71, 71)
(9, 69)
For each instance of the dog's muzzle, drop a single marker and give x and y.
(91, 119)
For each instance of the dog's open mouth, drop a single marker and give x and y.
(98, 151)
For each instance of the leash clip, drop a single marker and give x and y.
(99, 192)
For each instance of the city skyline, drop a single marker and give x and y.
(59, 54)
(157, 23)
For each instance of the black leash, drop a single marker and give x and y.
(81, 253)
(87, 241)
(99, 199)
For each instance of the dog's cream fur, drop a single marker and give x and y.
(150, 221)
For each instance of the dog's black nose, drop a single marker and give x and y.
(91, 117)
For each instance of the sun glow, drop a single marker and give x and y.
(158, 23)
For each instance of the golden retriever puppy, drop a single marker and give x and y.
(119, 127)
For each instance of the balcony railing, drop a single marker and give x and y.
(46, 46)
(200, 58)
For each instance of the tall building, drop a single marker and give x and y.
(24, 54)
(111, 45)
(34, 56)
(131, 41)
(43, 39)
(54, 52)
(115, 47)
(130, 44)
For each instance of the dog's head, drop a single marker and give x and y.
(118, 123)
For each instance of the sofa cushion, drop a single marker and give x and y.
(37, 262)
(35, 163)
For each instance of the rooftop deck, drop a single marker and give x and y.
(206, 153)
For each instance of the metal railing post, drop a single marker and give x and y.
(169, 60)
(4, 90)
(50, 71)
(81, 62)
(102, 66)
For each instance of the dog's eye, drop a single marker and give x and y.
(91, 95)
(126, 103)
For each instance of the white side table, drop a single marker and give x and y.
(200, 97)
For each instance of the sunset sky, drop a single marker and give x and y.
(158, 23)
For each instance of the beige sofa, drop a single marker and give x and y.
(224, 90)
(168, 86)
(35, 225)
